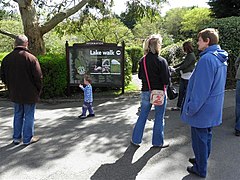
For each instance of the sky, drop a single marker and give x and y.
(121, 6)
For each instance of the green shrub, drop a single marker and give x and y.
(229, 33)
(173, 53)
(127, 69)
(135, 53)
(54, 75)
(2, 55)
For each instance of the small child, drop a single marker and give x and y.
(88, 98)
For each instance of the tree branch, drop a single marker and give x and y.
(8, 34)
(61, 16)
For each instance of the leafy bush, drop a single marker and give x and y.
(229, 33)
(127, 69)
(54, 75)
(2, 55)
(135, 53)
(173, 53)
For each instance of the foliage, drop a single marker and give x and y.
(109, 30)
(173, 53)
(137, 10)
(55, 44)
(5, 15)
(225, 8)
(135, 53)
(54, 75)
(195, 18)
(144, 28)
(127, 69)
(7, 43)
(2, 55)
(173, 22)
(229, 33)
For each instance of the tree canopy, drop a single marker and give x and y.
(39, 17)
(225, 8)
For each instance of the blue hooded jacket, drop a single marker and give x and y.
(203, 104)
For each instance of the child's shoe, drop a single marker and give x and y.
(91, 115)
(82, 116)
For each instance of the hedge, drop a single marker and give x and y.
(229, 33)
(54, 75)
(135, 53)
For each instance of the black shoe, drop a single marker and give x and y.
(237, 132)
(192, 160)
(190, 170)
(16, 142)
(82, 116)
(91, 115)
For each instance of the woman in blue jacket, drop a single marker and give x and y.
(203, 105)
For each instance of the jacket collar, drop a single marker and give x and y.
(21, 48)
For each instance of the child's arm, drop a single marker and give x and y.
(81, 86)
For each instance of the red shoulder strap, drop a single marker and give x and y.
(146, 73)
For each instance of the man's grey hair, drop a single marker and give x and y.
(21, 40)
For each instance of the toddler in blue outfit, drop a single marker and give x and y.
(88, 98)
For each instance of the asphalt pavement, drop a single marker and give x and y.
(98, 148)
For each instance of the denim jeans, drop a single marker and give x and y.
(182, 92)
(87, 106)
(201, 144)
(23, 123)
(237, 108)
(158, 127)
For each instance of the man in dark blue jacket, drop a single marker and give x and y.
(203, 105)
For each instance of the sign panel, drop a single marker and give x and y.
(103, 62)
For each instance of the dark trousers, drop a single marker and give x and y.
(87, 106)
(182, 91)
(201, 144)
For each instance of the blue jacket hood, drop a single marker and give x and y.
(216, 50)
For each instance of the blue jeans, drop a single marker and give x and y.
(87, 106)
(158, 128)
(201, 144)
(237, 108)
(23, 123)
(182, 92)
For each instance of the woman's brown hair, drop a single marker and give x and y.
(188, 47)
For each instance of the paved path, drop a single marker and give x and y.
(98, 148)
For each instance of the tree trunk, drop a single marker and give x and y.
(31, 27)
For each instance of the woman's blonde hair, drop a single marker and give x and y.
(152, 44)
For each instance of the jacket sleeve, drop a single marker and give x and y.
(201, 86)
(188, 60)
(140, 71)
(165, 73)
(37, 75)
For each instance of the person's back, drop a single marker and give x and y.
(21, 72)
(22, 76)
